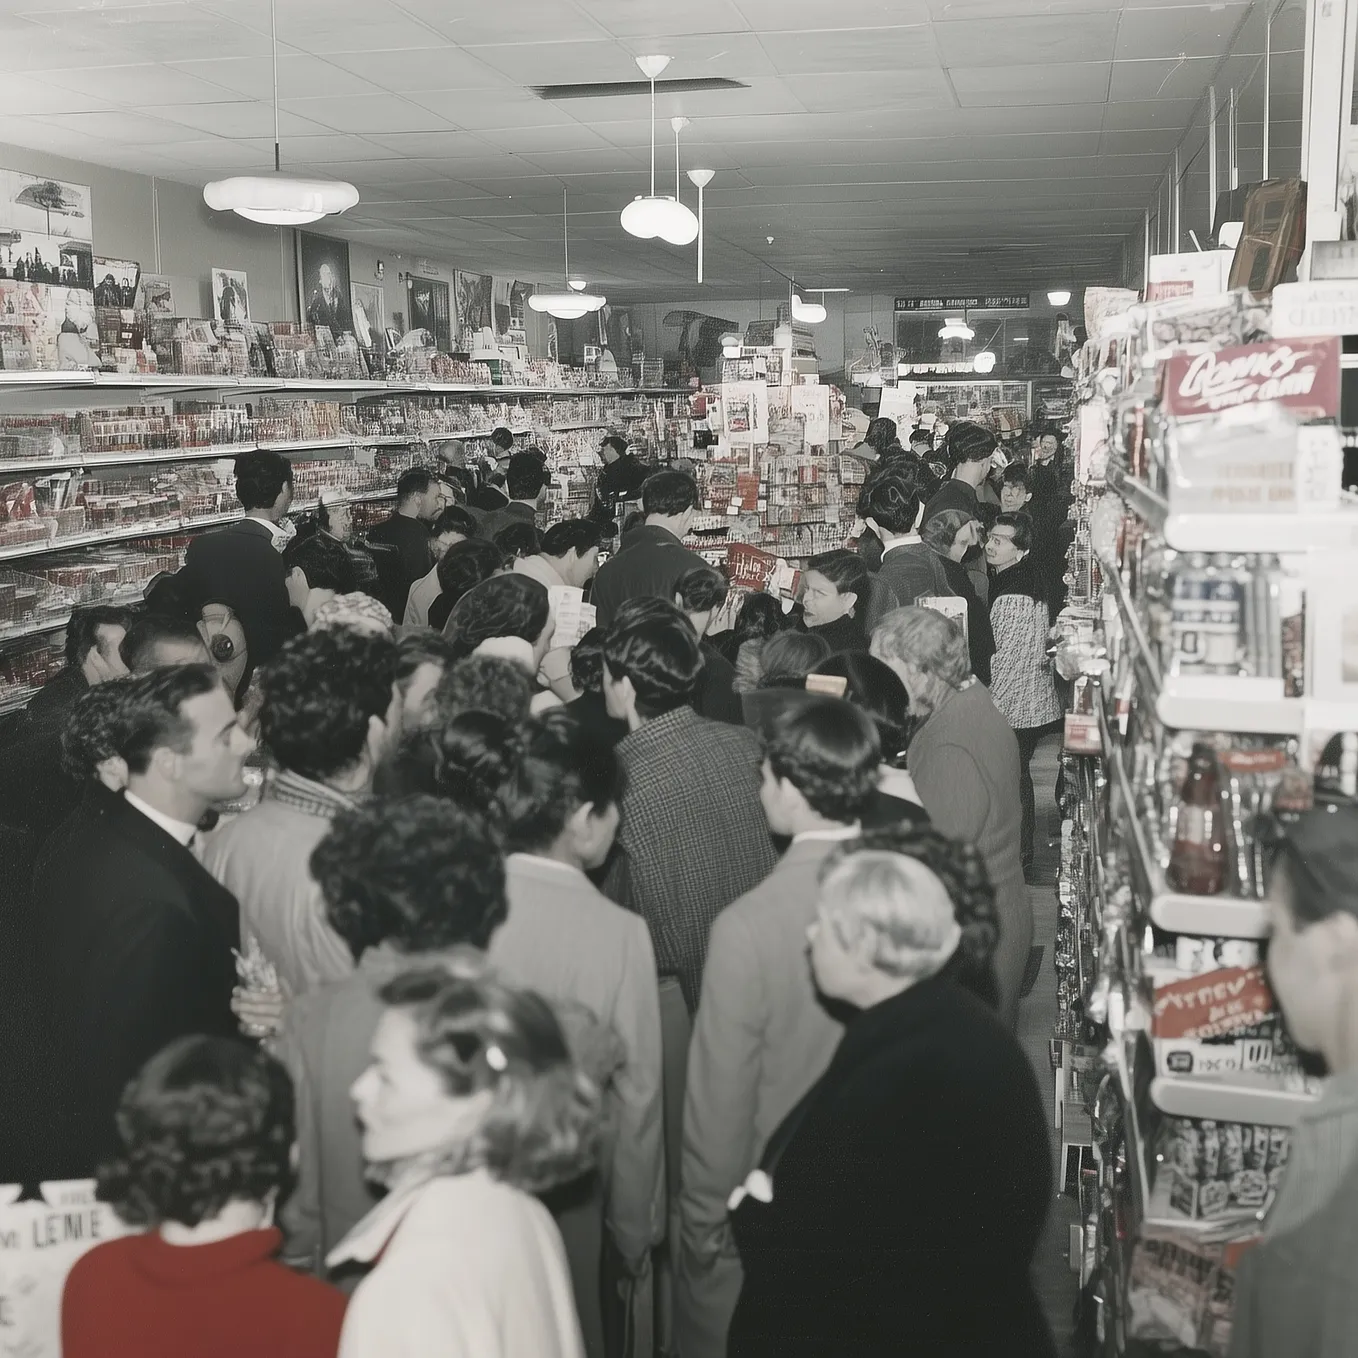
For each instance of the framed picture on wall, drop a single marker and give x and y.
(230, 297)
(156, 294)
(323, 282)
(474, 310)
(115, 282)
(369, 313)
(429, 308)
(46, 231)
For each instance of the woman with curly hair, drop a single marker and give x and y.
(207, 1133)
(461, 568)
(508, 616)
(471, 1105)
(850, 1231)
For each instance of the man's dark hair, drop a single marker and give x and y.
(881, 433)
(462, 479)
(417, 872)
(455, 519)
(518, 539)
(874, 686)
(1022, 525)
(634, 519)
(466, 564)
(320, 692)
(260, 478)
(701, 589)
(420, 647)
(654, 645)
(414, 482)
(761, 616)
(845, 570)
(587, 662)
(503, 606)
(921, 435)
(829, 751)
(324, 561)
(466, 759)
(153, 716)
(968, 442)
(563, 767)
(502, 438)
(580, 535)
(206, 1121)
(150, 630)
(526, 476)
(485, 683)
(786, 659)
(669, 493)
(82, 631)
(1016, 474)
(892, 496)
(616, 442)
(96, 728)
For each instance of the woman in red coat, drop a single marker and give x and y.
(207, 1131)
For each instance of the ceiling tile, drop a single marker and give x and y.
(367, 114)
(659, 18)
(299, 76)
(139, 86)
(1002, 87)
(448, 146)
(163, 32)
(861, 49)
(116, 126)
(555, 63)
(1150, 114)
(475, 112)
(733, 56)
(1165, 79)
(1035, 40)
(570, 138)
(881, 90)
(1196, 30)
(532, 21)
(779, 16)
(423, 68)
(25, 95)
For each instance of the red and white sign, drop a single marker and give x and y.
(1213, 1006)
(1301, 374)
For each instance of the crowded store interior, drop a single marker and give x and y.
(677, 681)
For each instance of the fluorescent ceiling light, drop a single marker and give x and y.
(984, 362)
(1059, 296)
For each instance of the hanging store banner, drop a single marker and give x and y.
(998, 301)
(1301, 374)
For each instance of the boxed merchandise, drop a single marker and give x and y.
(1202, 273)
(1221, 1169)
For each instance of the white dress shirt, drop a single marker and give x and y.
(176, 829)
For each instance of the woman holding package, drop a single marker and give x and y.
(898, 1206)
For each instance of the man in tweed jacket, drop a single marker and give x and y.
(693, 835)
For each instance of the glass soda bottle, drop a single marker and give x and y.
(1197, 858)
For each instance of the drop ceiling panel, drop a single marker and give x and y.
(1194, 30)
(661, 18)
(553, 63)
(241, 118)
(1006, 86)
(368, 113)
(27, 95)
(164, 32)
(1151, 115)
(862, 49)
(1037, 40)
(1167, 78)
(148, 83)
(424, 68)
(532, 21)
(880, 90)
(781, 16)
(300, 76)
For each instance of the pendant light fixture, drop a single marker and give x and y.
(984, 362)
(809, 313)
(956, 327)
(657, 215)
(575, 301)
(701, 179)
(1059, 296)
(278, 200)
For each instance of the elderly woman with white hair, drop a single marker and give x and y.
(898, 1206)
(964, 760)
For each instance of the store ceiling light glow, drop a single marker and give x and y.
(575, 301)
(809, 313)
(984, 362)
(657, 215)
(956, 327)
(1059, 296)
(277, 200)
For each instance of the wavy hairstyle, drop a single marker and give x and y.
(503, 606)
(467, 760)
(542, 1126)
(829, 751)
(206, 1121)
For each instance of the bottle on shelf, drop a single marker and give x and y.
(1197, 857)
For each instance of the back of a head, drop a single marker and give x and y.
(578, 535)
(881, 433)
(415, 481)
(617, 443)
(760, 617)
(874, 687)
(668, 494)
(464, 566)
(829, 751)
(260, 478)
(207, 1121)
(786, 660)
(502, 438)
(153, 716)
(931, 642)
(891, 497)
(526, 477)
(504, 606)
(587, 662)
(486, 683)
(82, 630)
(418, 872)
(652, 644)
(158, 639)
(518, 540)
(969, 442)
(320, 695)
(466, 759)
(701, 589)
(1316, 869)
(324, 562)
(96, 728)
(563, 766)
(455, 519)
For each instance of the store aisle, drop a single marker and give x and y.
(1056, 1285)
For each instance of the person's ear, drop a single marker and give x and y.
(851, 596)
(165, 762)
(872, 523)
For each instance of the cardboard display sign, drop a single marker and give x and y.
(1301, 374)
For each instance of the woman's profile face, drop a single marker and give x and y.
(402, 1103)
(821, 600)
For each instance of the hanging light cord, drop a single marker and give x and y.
(653, 136)
(273, 28)
(565, 235)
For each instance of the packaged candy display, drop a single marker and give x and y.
(1215, 1170)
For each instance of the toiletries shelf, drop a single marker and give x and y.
(1205, 702)
(1230, 532)
(1230, 1101)
(131, 531)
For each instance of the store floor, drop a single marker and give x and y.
(1056, 1285)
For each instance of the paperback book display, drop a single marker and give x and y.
(1213, 695)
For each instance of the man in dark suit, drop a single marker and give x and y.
(652, 556)
(135, 939)
(526, 481)
(910, 570)
(698, 594)
(420, 497)
(241, 565)
(329, 306)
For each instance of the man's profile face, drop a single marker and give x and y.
(212, 765)
(168, 653)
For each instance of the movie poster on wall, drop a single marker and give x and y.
(510, 306)
(230, 297)
(46, 231)
(47, 328)
(370, 319)
(116, 281)
(429, 310)
(156, 294)
(323, 282)
(474, 305)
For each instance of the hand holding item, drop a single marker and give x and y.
(258, 1001)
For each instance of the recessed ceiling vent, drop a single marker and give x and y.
(617, 89)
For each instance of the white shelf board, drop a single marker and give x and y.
(1221, 703)
(1228, 1102)
(1209, 916)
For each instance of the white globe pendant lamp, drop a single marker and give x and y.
(956, 327)
(1059, 296)
(657, 216)
(278, 199)
(575, 302)
(809, 313)
(984, 362)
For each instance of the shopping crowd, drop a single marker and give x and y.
(557, 995)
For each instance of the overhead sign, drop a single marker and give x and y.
(1000, 301)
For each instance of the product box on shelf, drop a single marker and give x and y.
(1220, 1169)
